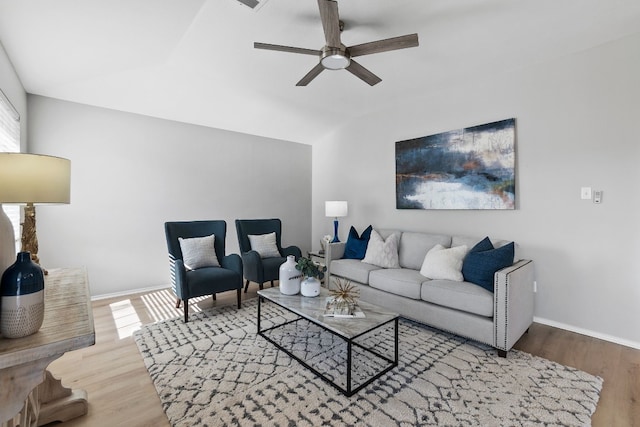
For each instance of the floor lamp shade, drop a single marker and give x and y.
(335, 209)
(26, 179)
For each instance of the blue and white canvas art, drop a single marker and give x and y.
(470, 168)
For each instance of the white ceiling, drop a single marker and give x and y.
(193, 60)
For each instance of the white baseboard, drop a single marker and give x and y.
(589, 333)
(130, 292)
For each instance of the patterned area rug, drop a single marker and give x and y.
(216, 371)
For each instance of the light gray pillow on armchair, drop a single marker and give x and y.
(264, 244)
(199, 252)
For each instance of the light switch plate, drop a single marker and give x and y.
(585, 193)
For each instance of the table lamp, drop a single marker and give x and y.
(26, 179)
(335, 209)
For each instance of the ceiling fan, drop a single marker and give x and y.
(336, 56)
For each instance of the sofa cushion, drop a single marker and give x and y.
(400, 281)
(382, 252)
(469, 242)
(463, 296)
(482, 262)
(414, 247)
(352, 269)
(356, 246)
(444, 263)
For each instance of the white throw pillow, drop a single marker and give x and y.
(199, 252)
(444, 263)
(265, 245)
(383, 253)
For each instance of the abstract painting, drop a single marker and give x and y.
(470, 168)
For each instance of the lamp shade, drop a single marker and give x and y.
(335, 209)
(34, 178)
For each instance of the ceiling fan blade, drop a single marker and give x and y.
(311, 75)
(362, 73)
(290, 49)
(330, 22)
(395, 43)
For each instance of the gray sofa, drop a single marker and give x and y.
(496, 318)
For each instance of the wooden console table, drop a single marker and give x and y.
(29, 394)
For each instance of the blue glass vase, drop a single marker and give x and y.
(22, 298)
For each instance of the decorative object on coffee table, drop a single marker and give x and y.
(313, 273)
(22, 290)
(336, 209)
(290, 277)
(345, 295)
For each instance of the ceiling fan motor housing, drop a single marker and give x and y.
(334, 58)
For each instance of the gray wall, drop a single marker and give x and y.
(131, 173)
(577, 125)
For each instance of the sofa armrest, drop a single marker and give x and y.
(333, 251)
(513, 303)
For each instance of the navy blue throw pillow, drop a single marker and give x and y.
(356, 246)
(482, 261)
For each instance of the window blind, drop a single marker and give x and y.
(10, 142)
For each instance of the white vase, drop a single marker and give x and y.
(310, 287)
(289, 277)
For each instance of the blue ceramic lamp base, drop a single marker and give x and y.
(335, 232)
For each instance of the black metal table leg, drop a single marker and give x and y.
(348, 368)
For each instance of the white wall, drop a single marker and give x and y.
(131, 173)
(577, 121)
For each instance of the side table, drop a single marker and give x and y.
(29, 394)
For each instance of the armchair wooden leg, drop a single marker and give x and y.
(272, 285)
(186, 310)
(178, 301)
(239, 297)
(502, 353)
(213, 296)
(261, 286)
(246, 287)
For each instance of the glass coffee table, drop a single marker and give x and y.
(347, 353)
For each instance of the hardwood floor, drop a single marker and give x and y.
(121, 393)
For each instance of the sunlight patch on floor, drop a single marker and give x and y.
(125, 318)
(161, 305)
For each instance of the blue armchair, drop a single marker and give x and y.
(208, 280)
(257, 269)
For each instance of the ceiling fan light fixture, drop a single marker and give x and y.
(335, 59)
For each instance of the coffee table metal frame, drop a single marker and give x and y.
(348, 338)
